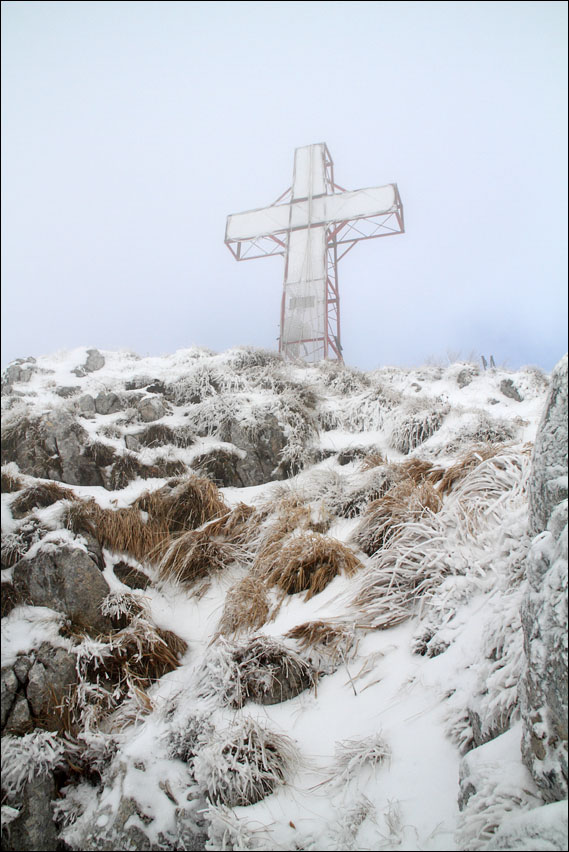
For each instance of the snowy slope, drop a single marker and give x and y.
(426, 669)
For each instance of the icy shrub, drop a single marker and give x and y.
(260, 669)
(351, 755)
(244, 763)
(25, 758)
(414, 424)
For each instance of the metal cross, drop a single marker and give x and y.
(314, 224)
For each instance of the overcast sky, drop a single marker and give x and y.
(132, 129)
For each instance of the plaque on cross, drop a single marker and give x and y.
(313, 224)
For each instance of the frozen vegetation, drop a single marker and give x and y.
(265, 606)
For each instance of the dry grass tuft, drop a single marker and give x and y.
(246, 607)
(102, 454)
(38, 496)
(194, 555)
(11, 482)
(384, 518)
(244, 763)
(371, 460)
(191, 503)
(306, 562)
(327, 643)
(260, 669)
(456, 472)
(126, 531)
(351, 755)
(419, 471)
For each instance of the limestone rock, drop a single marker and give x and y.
(34, 829)
(151, 408)
(86, 405)
(108, 403)
(509, 389)
(50, 675)
(95, 361)
(67, 580)
(548, 481)
(19, 720)
(262, 443)
(544, 699)
(9, 686)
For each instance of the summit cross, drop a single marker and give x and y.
(314, 224)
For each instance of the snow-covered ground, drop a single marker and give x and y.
(376, 747)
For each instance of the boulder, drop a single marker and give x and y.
(508, 388)
(34, 828)
(151, 408)
(52, 447)
(108, 403)
(49, 677)
(262, 442)
(67, 580)
(86, 405)
(464, 378)
(548, 481)
(95, 361)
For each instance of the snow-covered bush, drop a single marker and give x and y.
(244, 763)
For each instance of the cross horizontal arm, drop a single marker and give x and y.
(304, 212)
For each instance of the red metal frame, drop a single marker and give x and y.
(346, 233)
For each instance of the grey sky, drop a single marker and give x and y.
(132, 129)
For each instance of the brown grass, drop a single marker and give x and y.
(374, 459)
(456, 472)
(193, 556)
(384, 518)
(38, 496)
(419, 471)
(141, 653)
(11, 482)
(171, 510)
(306, 562)
(327, 642)
(246, 607)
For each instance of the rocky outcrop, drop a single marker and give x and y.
(52, 447)
(151, 408)
(508, 388)
(67, 580)
(95, 361)
(34, 828)
(548, 482)
(544, 701)
(263, 443)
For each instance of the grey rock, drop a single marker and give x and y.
(509, 389)
(18, 373)
(49, 678)
(95, 361)
(132, 443)
(9, 687)
(53, 447)
(67, 580)
(464, 378)
(66, 391)
(262, 443)
(543, 694)
(19, 721)
(151, 408)
(131, 577)
(86, 405)
(548, 480)
(108, 403)
(22, 667)
(34, 829)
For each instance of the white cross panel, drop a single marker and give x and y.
(317, 218)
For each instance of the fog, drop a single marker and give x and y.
(130, 130)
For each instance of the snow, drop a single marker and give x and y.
(418, 704)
